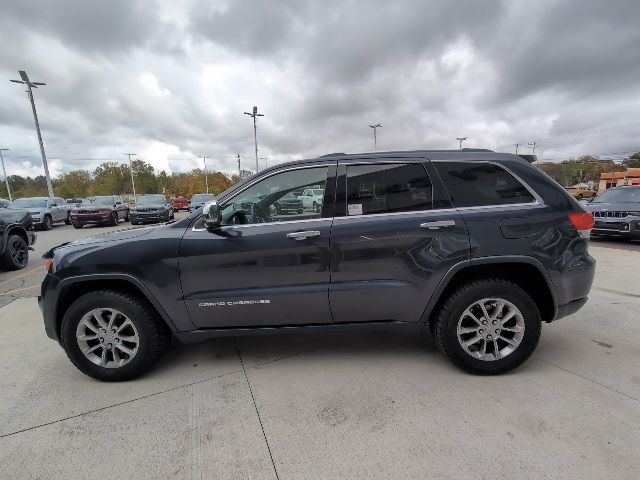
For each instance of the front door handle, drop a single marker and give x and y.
(438, 224)
(303, 235)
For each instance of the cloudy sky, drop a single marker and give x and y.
(170, 80)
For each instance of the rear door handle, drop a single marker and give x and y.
(303, 235)
(438, 224)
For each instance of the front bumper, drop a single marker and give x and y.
(91, 219)
(149, 217)
(626, 228)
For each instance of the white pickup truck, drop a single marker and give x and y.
(312, 199)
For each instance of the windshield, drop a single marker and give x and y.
(98, 201)
(619, 195)
(29, 203)
(151, 200)
(202, 197)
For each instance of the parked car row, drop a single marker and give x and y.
(96, 210)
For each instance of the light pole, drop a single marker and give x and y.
(375, 136)
(517, 145)
(461, 139)
(133, 184)
(266, 161)
(239, 170)
(533, 146)
(4, 172)
(25, 81)
(255, 114)
(206, 177)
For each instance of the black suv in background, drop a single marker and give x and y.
(151, 208)
(100, 210)
(617, 212)
(478, 247)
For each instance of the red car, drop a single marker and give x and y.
(180, 203)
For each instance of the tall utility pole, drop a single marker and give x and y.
(4, 172)
(461, 139)
(266, 161)
(533, 146)
(517, 145)
(255, 114)
(239, 170)
(375, 136)
(206, 177)
(25, 81)
(133, 184)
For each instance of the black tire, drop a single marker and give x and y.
(300, 211)
(446, 325)
(114, 219)
(315, 207)
(154, 336)
(77, 226)
(67, 220)
(47, 223)
(133, 222)
(126, 218)
(16, 255)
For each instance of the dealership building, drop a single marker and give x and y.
(615, 179)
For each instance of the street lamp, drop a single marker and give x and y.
(206, 177)
(461, 139)
(375, 137)
(239, 169)
(133, 185)
(4, 172)
(255, 132)
(533, 146)
(25, 81)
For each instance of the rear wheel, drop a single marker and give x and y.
(16, 255)
(315, 207)
(114, 219)
(77, 226)
(488, 326)
(67, 220)
(112, 336)
(126, 217)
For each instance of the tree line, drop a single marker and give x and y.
(586, 168)
(112, 178)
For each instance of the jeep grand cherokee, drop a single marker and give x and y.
(478, 247)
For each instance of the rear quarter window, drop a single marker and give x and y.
(473, 184)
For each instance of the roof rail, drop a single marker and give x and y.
(529, 158)
(338, 154)
(476, 150)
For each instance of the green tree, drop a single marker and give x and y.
(111, 178)
(633, 161)
(76, 183)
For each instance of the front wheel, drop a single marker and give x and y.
(488, 326)
(77, 226)
(47, 223)
(16, 255)
(67, 220)
(112, 336)
(114, 219)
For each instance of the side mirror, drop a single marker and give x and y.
(211, 215)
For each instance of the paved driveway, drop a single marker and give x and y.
(357, 405)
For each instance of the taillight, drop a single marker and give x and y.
(582, 222)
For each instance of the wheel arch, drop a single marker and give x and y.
(13, 230)
(72, 288)
(526, 272)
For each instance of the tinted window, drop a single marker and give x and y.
(473, 184)
(387, 188)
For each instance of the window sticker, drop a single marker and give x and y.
(355, 209)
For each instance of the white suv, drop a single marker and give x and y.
(312, 199)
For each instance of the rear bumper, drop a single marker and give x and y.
(570, 308)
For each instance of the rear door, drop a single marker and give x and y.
(394, 237)
(272, 268)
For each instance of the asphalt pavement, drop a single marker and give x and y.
(331, 406)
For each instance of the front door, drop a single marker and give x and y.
(273, 267)
(393, 239)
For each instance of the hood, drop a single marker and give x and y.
(153, 205)
(92, 208)
(28, 209)
(104, 237)
(613, 207)
(14, 215)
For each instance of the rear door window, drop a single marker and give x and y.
(386, 188)
(473, 184)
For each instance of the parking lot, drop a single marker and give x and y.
(344, 405)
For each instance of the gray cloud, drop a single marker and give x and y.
(170, 80)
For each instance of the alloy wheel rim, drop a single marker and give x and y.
(18, 253)
(490, 329)
(107, 338)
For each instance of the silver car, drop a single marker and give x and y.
(45, 211)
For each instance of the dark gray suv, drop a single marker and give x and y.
(478, 247)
